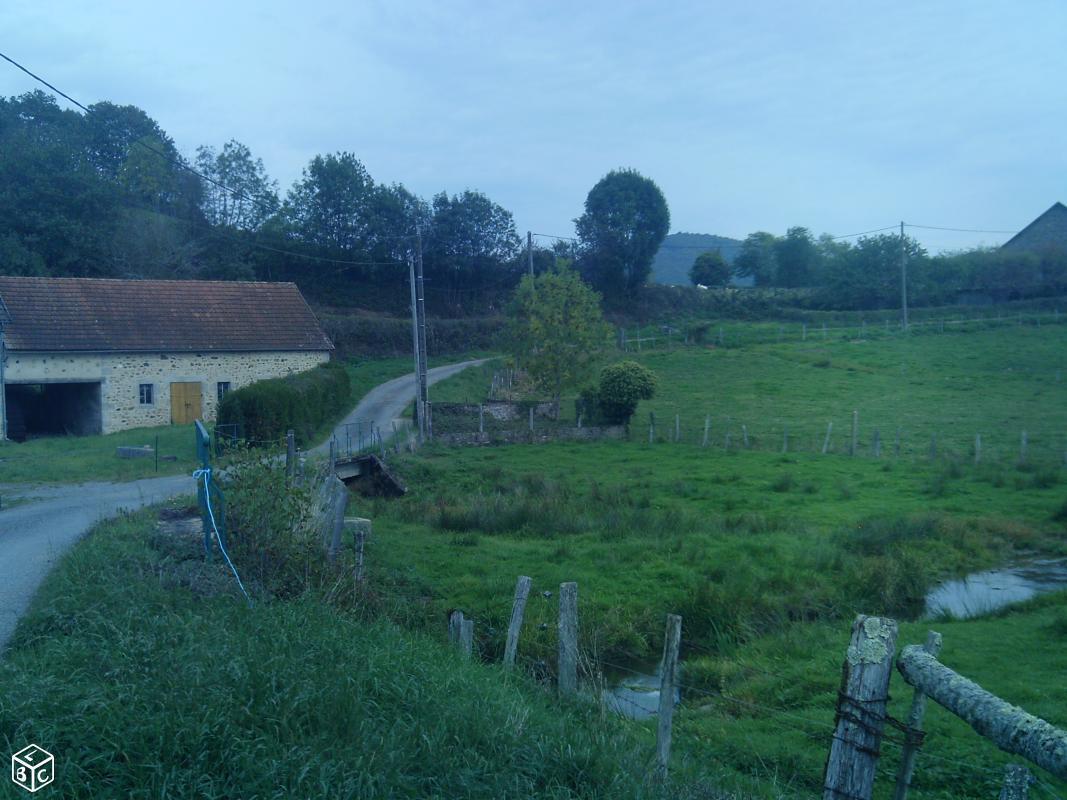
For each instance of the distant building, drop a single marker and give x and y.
(1047, 232)
(82, 356)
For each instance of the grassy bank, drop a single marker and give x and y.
(144, 688)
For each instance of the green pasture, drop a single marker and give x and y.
(768, 554)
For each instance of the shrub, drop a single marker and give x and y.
(305, 401)
(622, 386)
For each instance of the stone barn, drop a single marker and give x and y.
(83, 356)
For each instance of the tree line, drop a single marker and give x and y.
(866, 274)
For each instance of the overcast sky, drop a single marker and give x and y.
(839, 116)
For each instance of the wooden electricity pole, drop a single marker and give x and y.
(529, 250)
(419, 411)
(421, 304)
(903, 278)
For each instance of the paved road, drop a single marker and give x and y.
(34, 534)
(385, 403)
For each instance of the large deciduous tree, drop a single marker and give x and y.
(625, 221)
(797, 257)
(254, 198)
(757, 258)
(556, 329)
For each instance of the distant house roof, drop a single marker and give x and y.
(100, 315)
(1049, 231)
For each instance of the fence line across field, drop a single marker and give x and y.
(859, 730)
(730, 334)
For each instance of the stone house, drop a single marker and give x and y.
(83, 355)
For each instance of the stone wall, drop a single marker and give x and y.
(121, 374)
(589, 433)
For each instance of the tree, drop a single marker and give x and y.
(255, 195)
(868, 274)
(757, 258)
(329, 207)
(470, 245)
(710, 269)
(626, 220)
(622, 386)
(797, 258)
(556, 329)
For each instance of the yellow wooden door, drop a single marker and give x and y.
(184, 403)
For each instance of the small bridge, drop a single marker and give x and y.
(370, 474)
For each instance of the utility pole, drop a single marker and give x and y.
(419, 415)
(903, 278)
(421, 304)
(529, 250)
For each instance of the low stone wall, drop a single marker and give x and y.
(500, 410)
(591, 433)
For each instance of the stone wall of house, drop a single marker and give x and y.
(121, 376)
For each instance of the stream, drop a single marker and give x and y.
(982, 592)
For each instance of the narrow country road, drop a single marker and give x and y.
(36, 533)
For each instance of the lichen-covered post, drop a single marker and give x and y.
(1016, 783)
(568, 638)
(915, 724)
(785, 439)
(466, 637)
(455, 626)
(1008, 727)
(861, 703)
(977, 448)
(677, 428)
(707, 429)
(744, 436)
(855, 433)
(826, 441)
(518, 610)
(876, 444)
(668, 674)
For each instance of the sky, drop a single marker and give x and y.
(838, 116)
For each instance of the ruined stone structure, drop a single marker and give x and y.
(95, 356)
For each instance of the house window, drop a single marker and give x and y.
(145, 390)
(222, 387)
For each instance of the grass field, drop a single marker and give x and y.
(141, 688)
(767, 555)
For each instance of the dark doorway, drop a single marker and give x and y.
(52, 409)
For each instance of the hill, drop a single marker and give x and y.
(676, 255)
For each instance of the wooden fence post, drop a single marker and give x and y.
(568, 638)
(338, 501)
(455, 626)
(896, 444)
(785, 439)
(915, 724)
(1023, 446)
(726, 444)
(668, 669)
(466, 638)
(1016, 783)
(977, 447)
(826, 441)
(855, 433)
(721, 340)
(744, 436)
(707, 429)
(361, 539)
(860, 716)
(481, 418)
(290, 454)
(677, 428)
(518, 609)
(876, 444)
(531, 419)
(933, 446)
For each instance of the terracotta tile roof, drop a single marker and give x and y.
(89, 314)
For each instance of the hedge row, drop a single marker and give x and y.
(305, 401)
(363, 336)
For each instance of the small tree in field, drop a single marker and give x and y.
(556, 329)
(622, 386)
(710, 269)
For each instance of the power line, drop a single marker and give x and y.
(957, 230)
